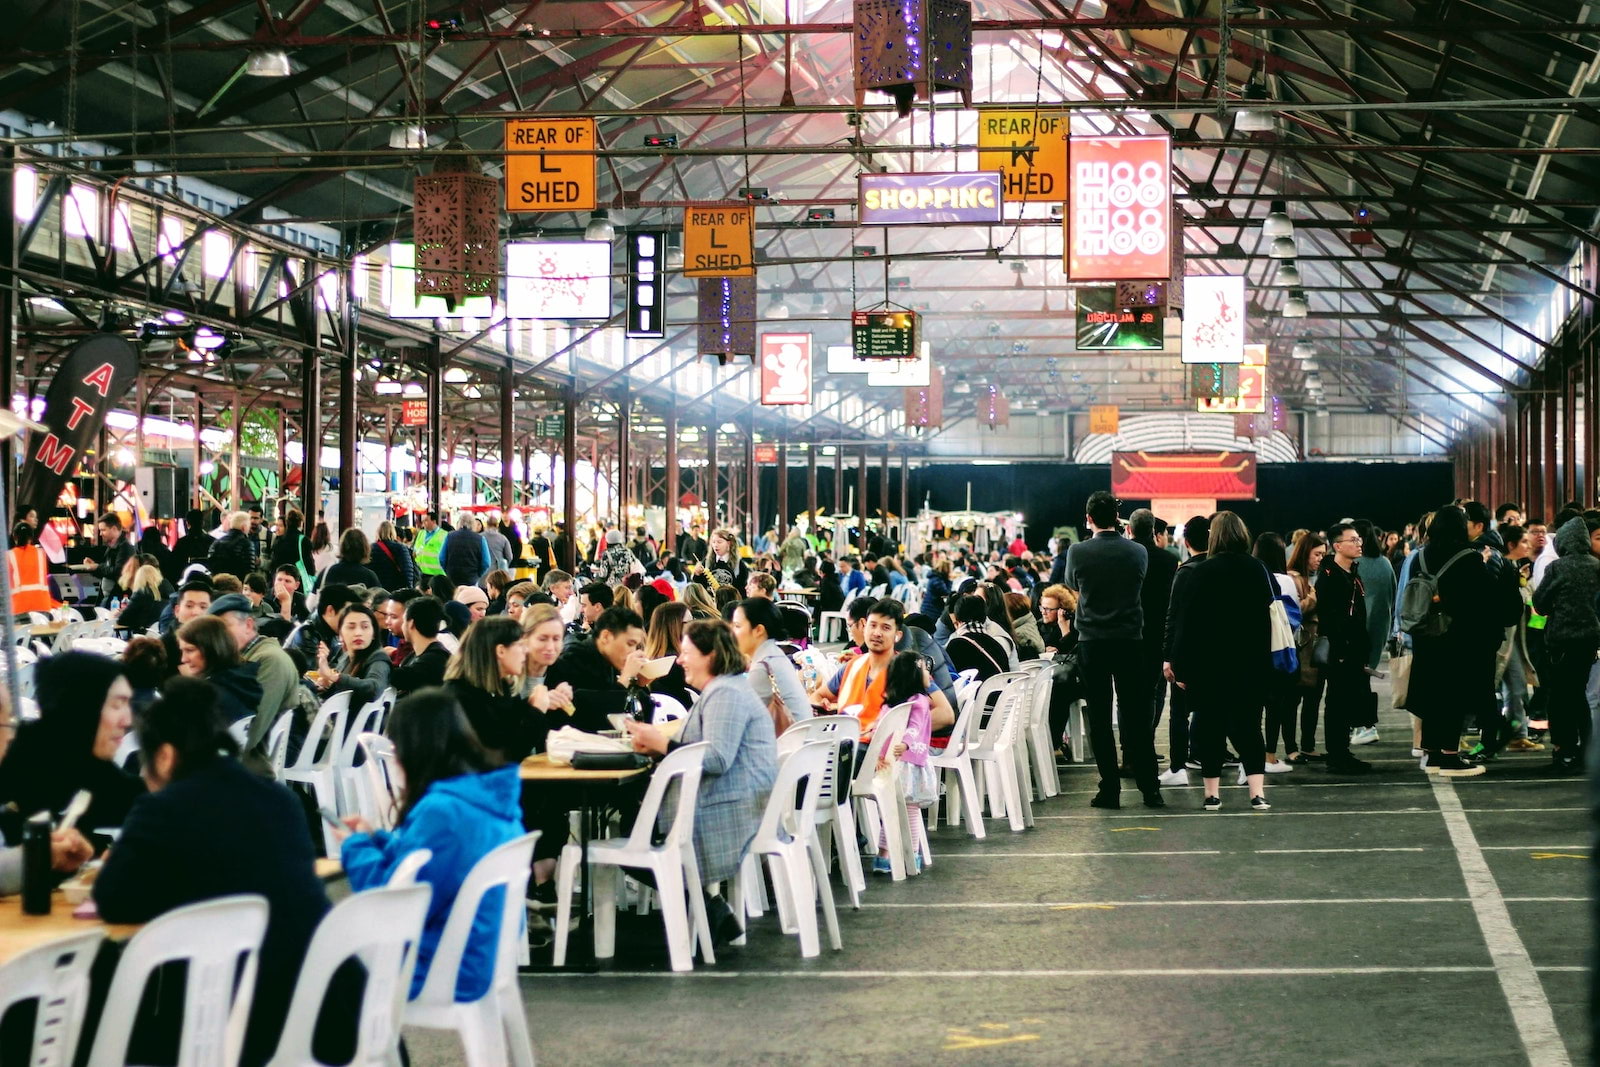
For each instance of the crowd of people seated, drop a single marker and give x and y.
(249, 627)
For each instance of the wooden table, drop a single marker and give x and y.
(594, 793)
(796, 592)
(47, 629)
(20, 932)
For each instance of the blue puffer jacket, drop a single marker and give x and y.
(461, 820)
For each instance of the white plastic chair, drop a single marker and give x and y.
(348, 776)
(673, 863)
(882, 797)
(833, 806)
(1041, 749)
(318, 771)
(667, 709)
(826, 620)
(212, 939)
(278, 744)
(406, 871)
(57, 976)
(493, 1028)
(377, 792)
(995, 751)
(960, 777)
(787, 837)
(240, 732)
(381, 928)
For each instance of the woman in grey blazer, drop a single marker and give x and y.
(739, 767)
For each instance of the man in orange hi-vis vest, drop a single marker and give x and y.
(861, 681)
(30, 582)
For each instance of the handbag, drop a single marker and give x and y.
(781, 719)
(1400, 679)
(1284, 656)
(1320, 651)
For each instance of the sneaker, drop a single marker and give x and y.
(1451, 765)
(1363, 735)
(1109, 801)
(1230, 760)
(1347, 765)
(1192, 765)
(880, 865)
(1417, 752)
(1259, 804)
(1174, 777)
(1281, 766)
(542, 896)
(1213, 804)
(1523, 744)
(1560, 768)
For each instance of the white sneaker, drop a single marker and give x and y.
(1282, 766)
(1177, 777)
(1417, 752)
(1363, 735)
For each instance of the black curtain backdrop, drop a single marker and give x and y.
(1293, 495)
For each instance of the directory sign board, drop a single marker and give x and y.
(885, 334)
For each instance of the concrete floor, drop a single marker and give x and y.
(1335, 929)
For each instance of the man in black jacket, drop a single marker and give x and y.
(601, 669)
(1154, 595)
(115, 551)
(1197, 535)
(1108, 572)
(1342, 619)
(232, 552)
(323, 628)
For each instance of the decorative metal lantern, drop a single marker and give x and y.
(1213, 381)
(456, 220)
(728, 318)
(994, 410)
(912, 49)
(925, 404)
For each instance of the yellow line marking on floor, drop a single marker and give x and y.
(1125, 829)
(1083, 907)
(1556, 856)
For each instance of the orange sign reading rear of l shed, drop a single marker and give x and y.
(550, 165)
(719, 241)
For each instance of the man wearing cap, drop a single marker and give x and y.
(275, 670)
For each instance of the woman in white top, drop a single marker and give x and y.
(756, 627)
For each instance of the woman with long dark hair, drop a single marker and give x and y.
(363, 664)
(207, 649)
(1283, 690)
(1305, 561)
(1441, 689)
(209, 829)
(456, 806)
(1221, 648)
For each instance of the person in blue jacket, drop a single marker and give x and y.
(457, 805)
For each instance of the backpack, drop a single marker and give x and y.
(1420, 613)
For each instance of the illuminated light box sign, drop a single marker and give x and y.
(910, 373)
(1106, 325)
(1213, 318)
(404, 302)
(1250, 394)
(1210, 475)
(785, 368)
(1119, 209)
(558, 280)
(647, 287)
(885, 334)
(929, 199)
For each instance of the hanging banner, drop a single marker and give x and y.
(785, 368)
(928, 199)
(719, 241)
(95, 375)
(1208, 475)
(1249, 396)
(1119, 210)
(1213, 318)
(1104, 418)
(1029, 149)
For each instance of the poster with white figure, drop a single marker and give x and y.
(785, 368)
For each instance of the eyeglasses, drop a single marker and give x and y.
(1348, 541)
